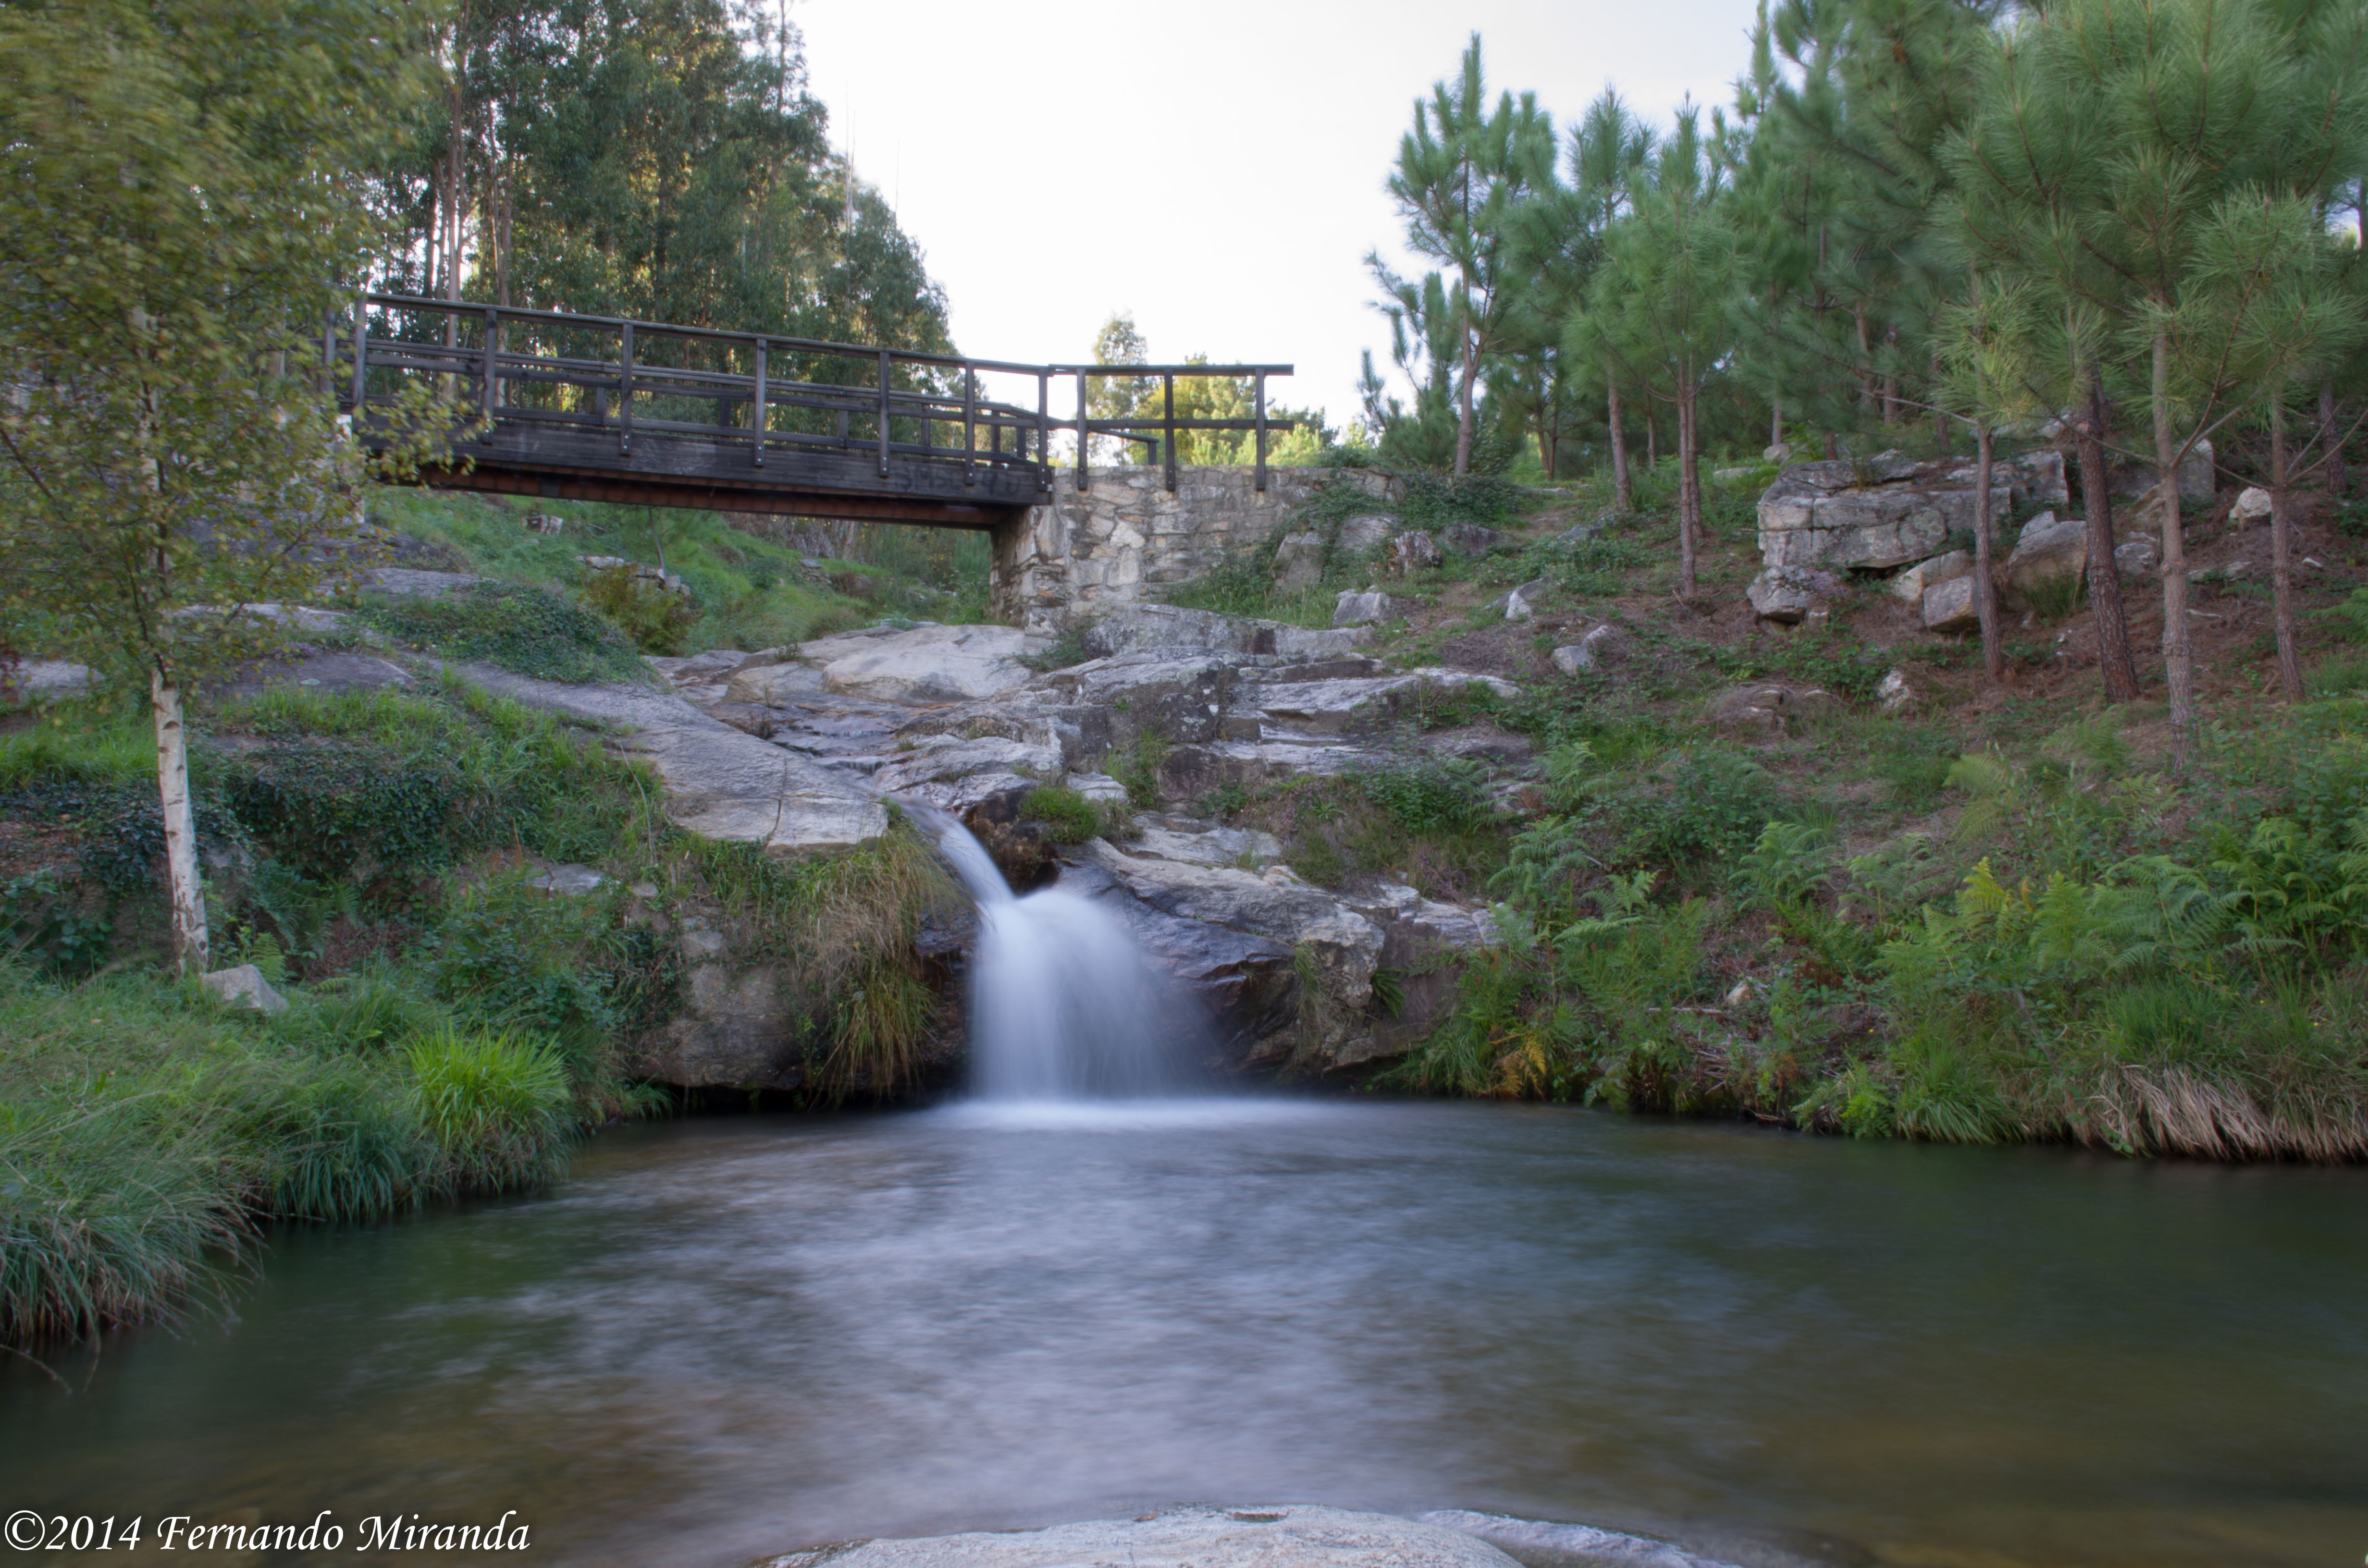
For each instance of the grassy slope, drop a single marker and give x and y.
(1996, 915)
(450, 1029)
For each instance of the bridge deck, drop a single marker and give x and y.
(552, 403)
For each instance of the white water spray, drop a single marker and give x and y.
(1062, 1004)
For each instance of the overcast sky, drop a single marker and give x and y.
(1216, 169)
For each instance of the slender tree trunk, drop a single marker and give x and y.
(1985, 603)
(2330, 435)
(2178, 644)
(1463, 410)
(1939, 415)
(2282, 554)
(1689, 501)
(191, 949)
(2104, 576)
(1624, 489)
(1776, 423)
(1652, 438)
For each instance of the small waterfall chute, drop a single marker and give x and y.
(1063, 1004)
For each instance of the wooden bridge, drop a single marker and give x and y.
(592, 408)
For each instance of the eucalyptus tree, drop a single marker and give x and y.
(177, 213)
(1660, 303)
(1461, 170)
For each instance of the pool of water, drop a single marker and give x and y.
(723, 1337)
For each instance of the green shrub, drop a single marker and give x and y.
(656, 618)
(1431, 796)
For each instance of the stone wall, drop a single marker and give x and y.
(1128, 537)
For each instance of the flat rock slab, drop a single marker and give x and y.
(1283, 1537)
(720, 783)
(1544, 1544)
(410, 582)
(925, 663)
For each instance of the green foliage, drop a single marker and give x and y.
(1431, 796)
(1714, 804)
(523, 629)
(497, 1105)
(1072, 817)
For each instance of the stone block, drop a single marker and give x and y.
(2252, 506)
(1521, 603)
(2050, 551)
(1786, 594)
(1950, 607)
(1366, 530)
(1369, 608)
(1413, 552)
(1910, 585)
(1299, 562)
(243, 986)
(2137, 557)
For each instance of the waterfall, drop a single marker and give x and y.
(1062, 1004)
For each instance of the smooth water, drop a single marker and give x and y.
(726, 1336)
(1062, 1002)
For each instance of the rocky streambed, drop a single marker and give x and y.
(800, 747)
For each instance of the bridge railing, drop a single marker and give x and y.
(778, 397)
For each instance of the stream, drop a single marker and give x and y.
(730, 1335)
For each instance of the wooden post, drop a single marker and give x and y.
(1261, 431)
(1084, 430)
(970, 423)
(1167, 390)
(884, 413)
(361, 356)
(1044, 430)
(759, 404)
(625, 396)
(493, 370)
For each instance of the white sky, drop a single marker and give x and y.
(1215, 168)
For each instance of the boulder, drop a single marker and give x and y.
(1366, 531)
(1099, 788)
(738, 1026)
(1577, 534)
(954, 773)
(1787, 594)
(1412, 552)
(1587, 654)
(1193, 1536)
(1546, 1543)
(1204, 843)
(1768, 709)
(1521, 603)
(1776, 452)
(2138, 556)
(2050, 551)
(1910, 585)
(1950, 607)
(720, 782)
(1179, 694)
(1893, 694)
(1471, 538)
(1250, 985)
(2252, 506)
(45, 680)
(1371, 607)
(2199, 478)
(244, 988)
(1330, 706)
(1299, 562)
(927, 663)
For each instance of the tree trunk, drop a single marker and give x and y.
(2330, 435)
(2177, 646)
(1652, 437)
(1689, 498)
(1939, 415)
(1985, 587)
(2104, 576)
(2282, 554)
(1623, 490)
(190, 949)
(1776, 423)
(1463, 410)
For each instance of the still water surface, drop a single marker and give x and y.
(725, 1338)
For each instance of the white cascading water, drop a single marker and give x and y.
(1062, 1004)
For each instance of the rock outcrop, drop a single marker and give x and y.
(1889, 510)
